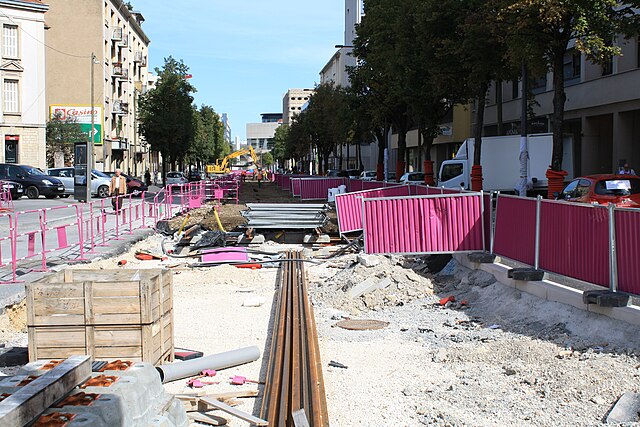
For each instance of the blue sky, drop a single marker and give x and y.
(245, 54)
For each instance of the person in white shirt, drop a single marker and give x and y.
(626, 170)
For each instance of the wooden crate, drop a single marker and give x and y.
(100, 297)
(119, 314)
(149, 343)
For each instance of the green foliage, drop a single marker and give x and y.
(267, 159)
(166, 116)
(208, 143)
(61, 136)
(280, 137)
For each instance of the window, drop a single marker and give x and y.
(539, 84)
(451, 171)
(569, 190)
(10, 41)
(10, 95)
(515, 90)
(572, 65)
(607, 67)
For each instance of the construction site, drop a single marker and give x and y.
(310, 301)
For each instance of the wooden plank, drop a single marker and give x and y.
(212, 420)
(56, 290)
(88, 318)
(26, 405)
(117, 336)
(214, 403)
(116, 289)
(62, 306)
(118, 352)
(117, 319)
(45, 353)
(59, 337)
(112, 305)
(33, 349)
(145, 309)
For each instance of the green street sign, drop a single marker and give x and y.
(97, 132)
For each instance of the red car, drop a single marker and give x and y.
(622, 190)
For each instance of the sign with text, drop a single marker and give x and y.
(80, 114)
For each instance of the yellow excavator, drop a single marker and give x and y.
(222, 167)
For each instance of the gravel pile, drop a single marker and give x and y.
(504, 358)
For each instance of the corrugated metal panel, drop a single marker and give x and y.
(354, 185)
(628, 250)
(487, 221)
(516, 228)
(349, 206)
(574, 241)
(295, 187)
(318, 189)
(422, 225)
(372, 185)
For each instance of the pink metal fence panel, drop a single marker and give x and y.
(318, 189)
(372, 185)
(574, 241)
(423, 224)
(295, 187)
(628, 249)
(515, 229)
(349, 206)
(354, 185)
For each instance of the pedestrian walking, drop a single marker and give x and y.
(244, 175)
(117, 189)
(626, 170)
(147, 177)
(260, 178)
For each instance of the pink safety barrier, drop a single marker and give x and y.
(424, 224)
(295, 186)
(574, 240)
(6, 201)
(7, 245)
(627, 228)
(285, 180)
(372, 185)
(354, 185)
(515, 229)
(349, 206)
(318, 188)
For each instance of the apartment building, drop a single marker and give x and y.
(602, 111)
(335, 70)
(22, 73)
(226, 128)
(293, 102)
(113, 32)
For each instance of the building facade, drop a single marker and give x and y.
(293, 102)
(22, 72)
(227, 128)
(602, 111)
(335, 70)
(260, 135)
(108, 29)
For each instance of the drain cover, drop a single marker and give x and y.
(361, 324)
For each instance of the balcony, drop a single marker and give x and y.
(125, 41)
(137, 56)
(120, 72)
(117, 34)
(120, 108)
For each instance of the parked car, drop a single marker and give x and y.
(391, 177)
(176, 178)
(333, 173)
(194, 175)
(99, 181)
(368, 175)
(349, 173)
(134, 185)
(622, 190)
(34, 181)
(412, 178)
(15, 188)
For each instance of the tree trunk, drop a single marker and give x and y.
(341, 157)
(381, 136)
(164, 169)
(499, 106)
(555, 174)
(402, 149)
(427, 163)
(476, 170)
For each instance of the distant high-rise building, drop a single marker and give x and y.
(335, 70)
(293, 103)
(260, 135)
(227, 127)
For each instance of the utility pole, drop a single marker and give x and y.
(524, 143)
(90, 143)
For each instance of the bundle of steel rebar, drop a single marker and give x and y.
(294, 386)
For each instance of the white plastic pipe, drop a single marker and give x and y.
(229, 359)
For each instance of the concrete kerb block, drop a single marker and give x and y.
(538, 288)
(500, 272)
(566, 295)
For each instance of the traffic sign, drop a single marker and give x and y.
(97, 131)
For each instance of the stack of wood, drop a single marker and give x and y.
(106, 314)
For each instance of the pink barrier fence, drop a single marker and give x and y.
(372, 185)
(423, 224)
(627, 227)
(349, 206)
(515, 230)
(318, 188)
(574, 241)
(354, 185)
(295, 187)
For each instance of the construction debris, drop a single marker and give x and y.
(285, 216)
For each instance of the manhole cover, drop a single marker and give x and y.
(361, 324)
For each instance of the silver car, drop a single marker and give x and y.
(176, 178)
(99, 181)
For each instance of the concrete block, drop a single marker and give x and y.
(312, 238)
(566, 295)
(368, 260)
(258, 239)
(626, 314)
(499, 271)
(362, 288)
(538, 288)
(481, 257)
(625, 410)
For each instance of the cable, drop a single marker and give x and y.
(41, 42)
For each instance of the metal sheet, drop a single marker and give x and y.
(574, 241)
(627, 223)
(354, 185)
(295, 187)
(318, 189)
(349, 206)
(515, 228)
(423, 225)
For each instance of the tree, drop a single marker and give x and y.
(267, 159)
(208, 143)
(166, 118)
(539, 32)
(62, 133)
(279, 151)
